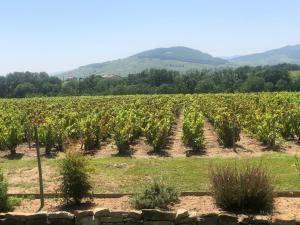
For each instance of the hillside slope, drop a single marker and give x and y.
(288, 54)
(174, 58)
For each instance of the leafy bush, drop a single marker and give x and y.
(49, 140)
(6, 203)
(13, 140)
(193, 132)
(228, 132)
(246, 189)
(155, 195)
(75, 179)
(90, 134)
(123, 130)
(157, 132)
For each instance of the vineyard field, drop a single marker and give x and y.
(268, 121)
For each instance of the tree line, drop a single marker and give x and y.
(155, 81)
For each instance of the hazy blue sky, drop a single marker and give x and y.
(56, 35)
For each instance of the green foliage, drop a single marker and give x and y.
(90, 132)
(75, 180)
(247, 189)
(157, 132)
(6, 203)
(49, 140)
(228, 132)
(13, 140)
(155, 195)
(193, 128)
(123, 130)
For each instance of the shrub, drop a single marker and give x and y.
(193, 132)
(49, 140)
(155, 195)
(246, 189)
(228, 132)
(13, 140)
(75, 180)
(6, 203)
(123, 129)
(157, 132)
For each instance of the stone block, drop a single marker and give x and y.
(83, 213)
(101, 212)
(158, 223)
(158, 215)
(111, 219)
(260, 220)
(181, 214)
(284, 221)
(61, 217)
(86, 220)
(208, 219)
(118, 214)
(112, 223)
(228, 219)
(135, 214)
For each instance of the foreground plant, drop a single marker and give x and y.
(6, 203)
(247, 189)
(155, 195)
(75, 180)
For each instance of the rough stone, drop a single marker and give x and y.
(228, 219)
(112, 223)
(60, 221)
(119, 214)
(135, 214)
(135, 222)
(101, 212)
(83, 213)
(208, 219)
(181, 214)
(243, 219)
(284, 221)
(111, 220)
(61, 215)
(260, 220)
(191, 218)
(158, 215)
(158, 223)
(87, 220)
(25, 218)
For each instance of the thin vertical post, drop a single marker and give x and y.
(37, 146)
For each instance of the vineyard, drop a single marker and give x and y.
(269, 118)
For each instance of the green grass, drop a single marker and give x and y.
(121, 174)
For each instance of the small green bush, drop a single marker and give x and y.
(49, 140)
(6, 203)
(247, 189)
(75, 179)
(155, 195)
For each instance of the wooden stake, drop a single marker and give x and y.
(37, 146)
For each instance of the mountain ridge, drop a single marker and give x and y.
(180, 58)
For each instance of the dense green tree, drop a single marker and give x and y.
(253, 84)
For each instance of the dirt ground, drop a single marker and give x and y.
(284, 207)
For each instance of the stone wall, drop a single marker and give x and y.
(144, 217)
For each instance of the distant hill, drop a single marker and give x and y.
(182, 59)
(288, 54)
(174, 58)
